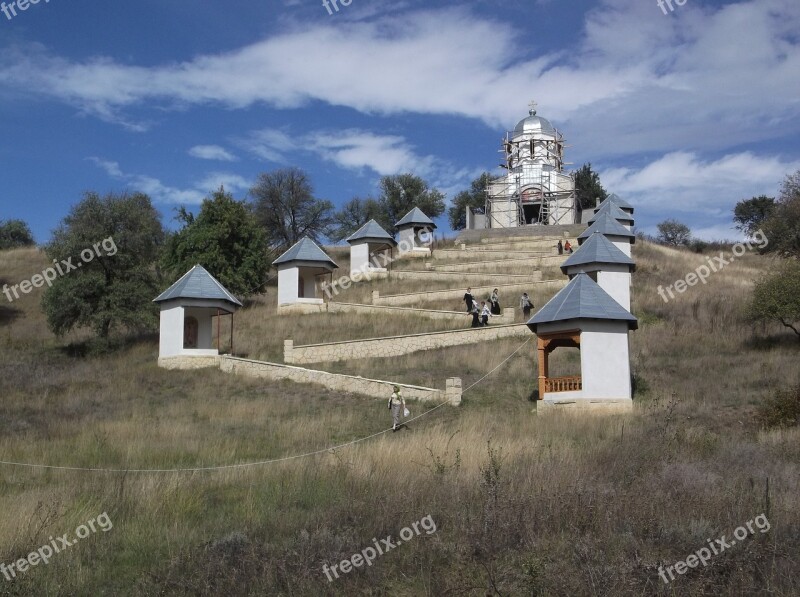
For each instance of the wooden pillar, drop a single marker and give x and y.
(542, 350)
(231, 333)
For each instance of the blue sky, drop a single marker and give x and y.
(683, 114)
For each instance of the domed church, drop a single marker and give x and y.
(534, 189)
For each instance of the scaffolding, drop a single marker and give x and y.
(534, 190)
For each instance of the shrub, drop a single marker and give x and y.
(781, 410)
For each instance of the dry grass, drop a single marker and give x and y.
(555, 505)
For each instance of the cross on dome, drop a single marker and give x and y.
(532, 107)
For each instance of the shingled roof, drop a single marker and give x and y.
(597, 249)
(371, 231)
(615, 212)
(197, 283)
(305, 250)
(582, 298)
(605, 224)
(416, 216)
(618, 201)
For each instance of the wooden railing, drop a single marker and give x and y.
(563, 384)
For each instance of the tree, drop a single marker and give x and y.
(224, 238)
(782, 225)
(776, 296)
(114, 287)
(588, 188)
(672, 232)
(749, 214)
(287, 209)
(14, 234)
(400, 193)
(475, 196)
(352, 216)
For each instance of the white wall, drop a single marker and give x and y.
(605, 360)
(622, 243)
(359, 258)
(171, 332)
(287, 285)
(616, 281)
(405, 238)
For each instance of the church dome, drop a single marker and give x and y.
(534, 124)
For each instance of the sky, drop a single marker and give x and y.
(682, 112)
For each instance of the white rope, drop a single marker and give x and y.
(251, 464)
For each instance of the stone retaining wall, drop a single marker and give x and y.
(487, 265)
(374, 388)
(414, 298)
(507, 316)
(457, 277)
(371, 348)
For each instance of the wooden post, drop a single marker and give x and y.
(542, 347)
(218, 322)
(231, 333)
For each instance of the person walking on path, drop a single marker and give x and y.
(469, 300)
(568, 247)
(495, 301)
(526, 304)
(397, 405)
(560, 248)
(476, 322)
(485, 313)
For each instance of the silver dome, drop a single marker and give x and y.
(534, 124)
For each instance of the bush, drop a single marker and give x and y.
(781, 410)
(698, 246)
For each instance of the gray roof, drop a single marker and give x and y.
(597, 249)
(371, 231)
(614, 210)
(305, 250)
(416, 216)
(618, 201)
(582, 298)
(605, 224)
(197, 283)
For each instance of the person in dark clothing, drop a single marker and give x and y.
(526, 304)
(476, 322)
(469, 300)
(560, 248)
(495, 301)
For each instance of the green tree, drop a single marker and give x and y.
(14, 234)
(776, 296)
(782, 225)
(352, 216)
(672, 232)
(475, 196)
(116, 287)
(749, 214)
(287, 209)
(588, 187)
(224, 238)
(401, 193)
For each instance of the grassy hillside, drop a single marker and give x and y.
(524, 503)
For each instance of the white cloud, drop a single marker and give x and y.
(163, 193)
(212, 152)
(702, 77)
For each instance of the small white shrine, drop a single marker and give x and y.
(188, 308)
(415, 234)
(582, 315)
(370, 251)
(302, 271)
(605, 264)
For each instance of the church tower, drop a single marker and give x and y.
(534, 190)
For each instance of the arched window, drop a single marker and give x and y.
(190, 328)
